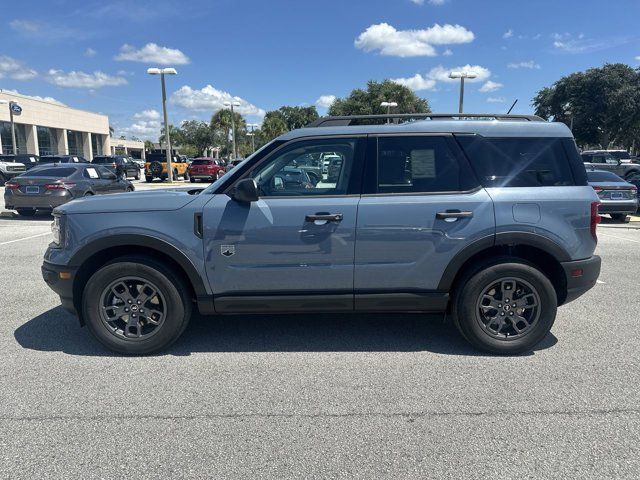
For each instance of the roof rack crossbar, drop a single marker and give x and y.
(341, 121)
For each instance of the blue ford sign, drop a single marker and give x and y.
(15, 108)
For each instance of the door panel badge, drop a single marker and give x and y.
(227, 250)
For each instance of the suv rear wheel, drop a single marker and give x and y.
(136, 306)
(505, 308)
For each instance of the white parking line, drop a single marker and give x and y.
(25, 238)
(620, 238)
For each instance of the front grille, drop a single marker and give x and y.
(16, 168)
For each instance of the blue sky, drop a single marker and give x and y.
(93, 54)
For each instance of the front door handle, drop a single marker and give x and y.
(453, 214)
(324, 217)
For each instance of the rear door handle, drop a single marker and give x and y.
(453, 214)
(324, 217)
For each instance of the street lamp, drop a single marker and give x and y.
(13, 125)
(162, 72)
(389, 105)
(568, 111)
(462, 76)
(233, 125)
(252, 126)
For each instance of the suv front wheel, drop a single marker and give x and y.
(505, 308)
(136, 306)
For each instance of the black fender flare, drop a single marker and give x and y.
(529, 239)
(140, 240)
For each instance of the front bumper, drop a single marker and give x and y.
(10, 175)
(60, 284)
(581, 276)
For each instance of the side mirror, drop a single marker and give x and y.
(246, 191)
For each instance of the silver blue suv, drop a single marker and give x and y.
(487, 218)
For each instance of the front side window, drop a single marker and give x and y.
(418, 164)
(300, 169)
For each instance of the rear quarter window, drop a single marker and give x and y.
(524, 161)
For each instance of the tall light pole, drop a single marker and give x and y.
(252, 126)
(233, 125)
(13, 125)
(569, 112)
(389, 105)
(162, 72)
(462, 76)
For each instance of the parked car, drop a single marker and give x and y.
(9, 168)
(156, 167)
(29, 161)
(233, 164)
(424, 216)
(312, 167)
(139, 162)
(326, 158)
(46, 187)
(291, 179)
(622, 155)
(62, 159)
(635, 181)
(333, 172)
(204, 168)
(618, 197)
(606, 161)
(119, 164)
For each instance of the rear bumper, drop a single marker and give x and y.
(41, 202)
(624, 206)
(63, 287)
(581, 276)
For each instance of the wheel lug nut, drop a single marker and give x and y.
(129, 301)
(514, 305)
(138, 302)
(126, 309)
(499, 305)
(509, 314)
(134, 315)
(502, 314)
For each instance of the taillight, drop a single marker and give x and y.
(595, 220)
(11, 186)
(597, 189)
(59, 186)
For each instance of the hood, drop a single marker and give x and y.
(146, 201)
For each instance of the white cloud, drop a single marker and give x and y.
(416, 83)
(90, 52)
(76, 79)
(147, 115)
(491, 86)
(437, 2)
(411, 43)
(209, 98)
(441, 74)
(528, 64)
(418, 2)
(36, 97)
(508, 34)
(496, 99)
(152, 53)
(325, 101)
(447, 53)
(15, 69)
(638, 58)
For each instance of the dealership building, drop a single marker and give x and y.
(48, 128)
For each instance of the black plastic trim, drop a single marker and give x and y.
(533, 240)
(576, 286)
(449, 275)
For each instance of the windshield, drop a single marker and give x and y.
(202, 162)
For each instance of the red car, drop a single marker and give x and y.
(206, 169)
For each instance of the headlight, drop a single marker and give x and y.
(56, 229)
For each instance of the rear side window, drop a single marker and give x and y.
(419, 164)
(520, 162)
(51, 172)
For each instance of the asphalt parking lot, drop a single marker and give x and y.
(321, 396)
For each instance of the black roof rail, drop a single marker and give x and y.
(346, 120)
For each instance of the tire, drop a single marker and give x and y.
(499, 335)
(148, 179)
(26, 212)
(137, 175)
(3, 179)
(620, 217)
(185, 176)
(175, 175)
(172, 301)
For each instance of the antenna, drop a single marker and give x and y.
(514, 104)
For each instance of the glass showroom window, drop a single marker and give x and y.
(7, 143)
(47, 141)
(96, 144)
(75, 143)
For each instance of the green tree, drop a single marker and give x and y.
(175, 135)
(197, 134)
(273, 126)
(298, 117)
(221, 126)
(604, 104)
(367, 102)
(148, 145)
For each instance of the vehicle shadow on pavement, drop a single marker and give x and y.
(57, 330)
(43, 217)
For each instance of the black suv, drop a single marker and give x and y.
(121, 165)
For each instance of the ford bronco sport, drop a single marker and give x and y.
(486, 218)
(156, 167)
